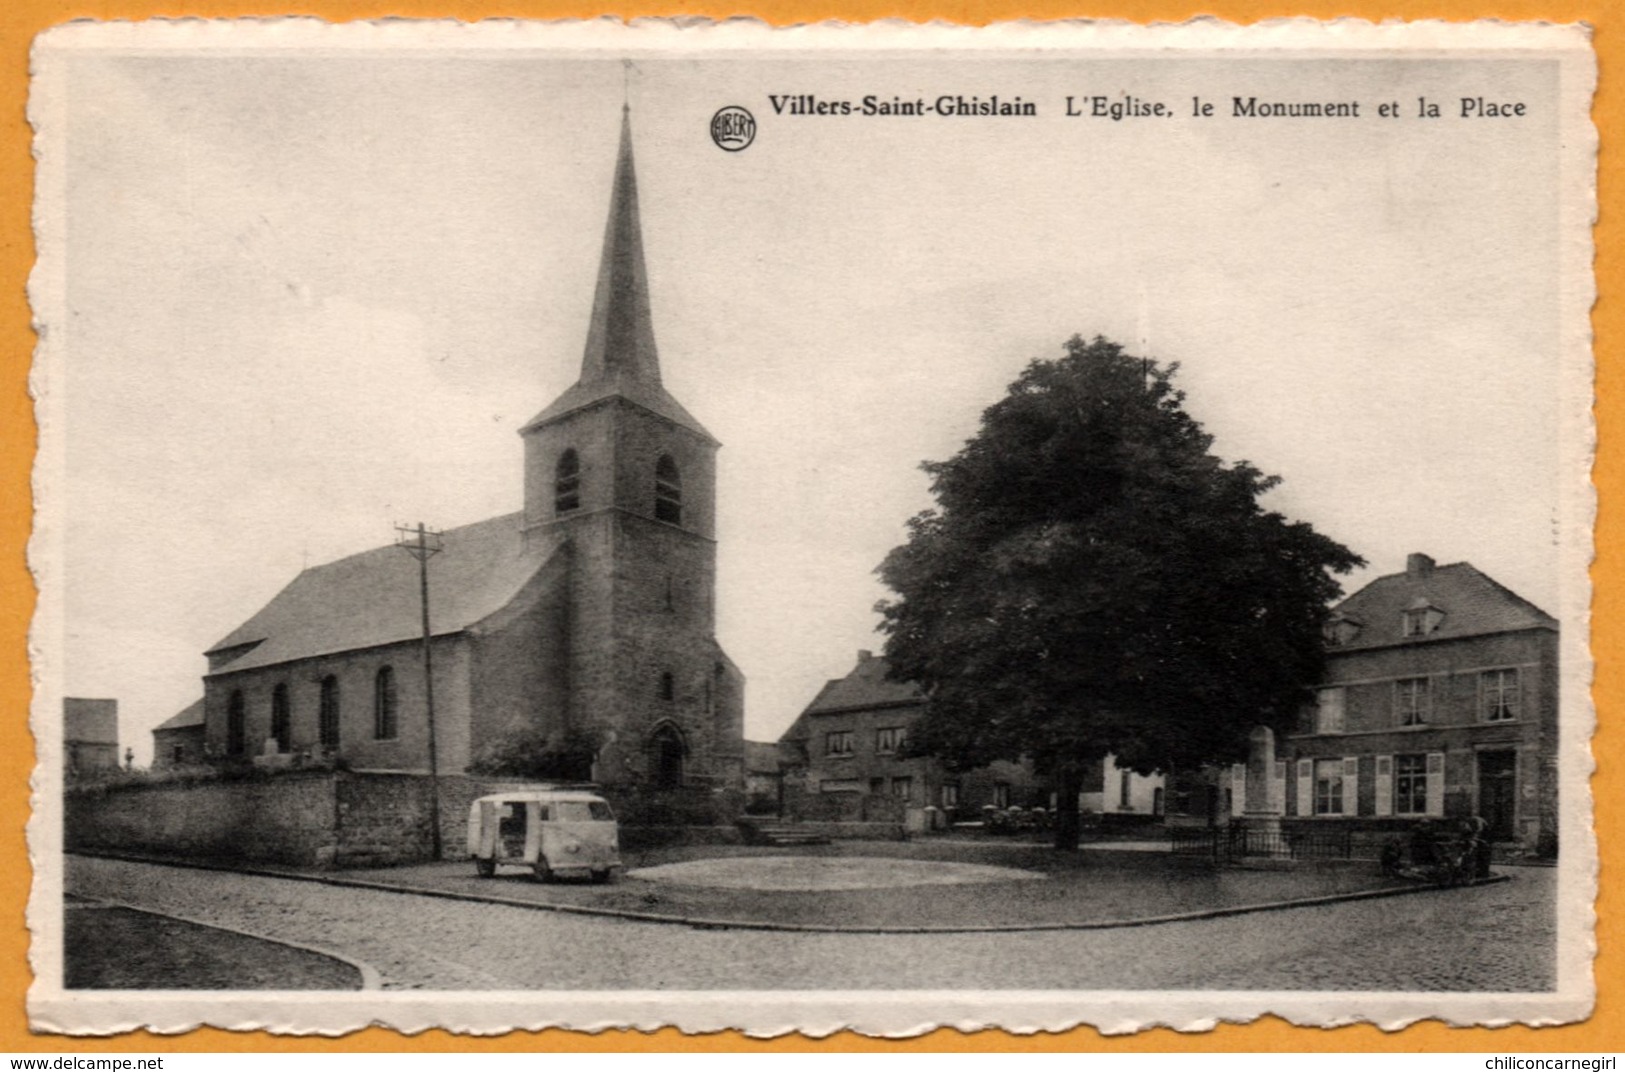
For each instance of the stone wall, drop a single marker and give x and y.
(286, 818)
(333, 818)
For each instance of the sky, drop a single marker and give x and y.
(308, 295)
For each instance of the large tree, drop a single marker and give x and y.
(1095, 580)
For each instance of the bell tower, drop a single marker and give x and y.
(619, 473)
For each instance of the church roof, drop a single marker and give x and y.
(189, 716)
(372, 598)
(866, 686)
(1470, 602)
(620, 360)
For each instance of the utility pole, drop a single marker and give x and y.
(417, 543)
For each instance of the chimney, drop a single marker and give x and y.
(1418, 565)
(864, 655)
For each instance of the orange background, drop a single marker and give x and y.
(20, 20)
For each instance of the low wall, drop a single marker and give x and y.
(286, 818)
(343, 818)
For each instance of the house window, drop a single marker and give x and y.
(328, 713)
(902, 788)
(236, 727)
(281, 721)
(1328, 787)
(1498, 691)
(890, 739)
(668, 686)
(1001, 794)
(950, 796)
(840, 743)
(1329, 711)
(668, 491)
(1411, 701)
(385, 724)
(178, 754)
(1411, 785)
(1125, 791)
(567, 483)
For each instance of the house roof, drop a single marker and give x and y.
(1471, 602)
(189, 716)
(372, 598)
(866, 686)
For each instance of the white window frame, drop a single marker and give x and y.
(1413, 701)
(1417, 784)
(1493, 694)
(1328, 787)
(889, 739)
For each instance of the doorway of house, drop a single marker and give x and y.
(1497, 793)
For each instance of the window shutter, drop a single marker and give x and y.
(1351, 785)
(1238, 788)
(1306, 787)
(1278, 787)
(1435, 783)
(1385, 785)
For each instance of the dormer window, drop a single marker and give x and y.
(567, 483)
(668, 491)
(1421, 619)
(1339, 631)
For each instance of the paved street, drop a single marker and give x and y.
(1494, 938)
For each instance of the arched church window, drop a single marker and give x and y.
(328, 717)
(281, 718)
(668, 686)
(567, 483)
(384, 723)
(668, 491)
(236, 724)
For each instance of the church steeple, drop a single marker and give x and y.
(620, 359)
(620, 335)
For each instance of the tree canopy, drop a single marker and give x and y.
(1095, 580)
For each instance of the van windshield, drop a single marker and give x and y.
(581, 811)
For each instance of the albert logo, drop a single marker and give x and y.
(733, 128)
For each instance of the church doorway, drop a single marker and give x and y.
(666, 752)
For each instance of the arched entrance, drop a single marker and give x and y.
(666, 754)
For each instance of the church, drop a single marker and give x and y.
(580, 627)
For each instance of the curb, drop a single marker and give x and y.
(371, 979)
(703, 923)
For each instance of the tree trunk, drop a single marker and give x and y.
(1068, 783)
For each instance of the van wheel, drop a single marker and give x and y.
(486, 868)
(543, 872)
(600, 877)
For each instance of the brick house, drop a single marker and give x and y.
(586, 616)
(178, 740)
(849, 740)
(1439, 699)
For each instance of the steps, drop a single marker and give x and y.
(779, 833)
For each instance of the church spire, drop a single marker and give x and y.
(620, 335)
(620, 359)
